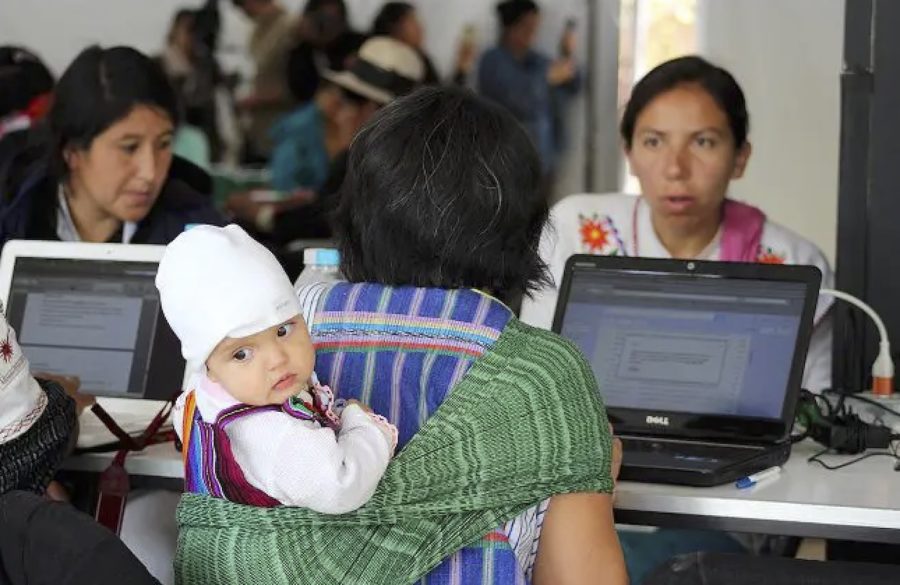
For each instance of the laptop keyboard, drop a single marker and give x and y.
(679, 454)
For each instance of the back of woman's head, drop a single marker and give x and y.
(443, 190)
(390, 15)
(98, 89)
(716, 81)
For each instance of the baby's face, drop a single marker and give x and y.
(266, 368)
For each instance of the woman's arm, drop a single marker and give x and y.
(578, 542)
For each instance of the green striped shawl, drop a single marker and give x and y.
(525, 423)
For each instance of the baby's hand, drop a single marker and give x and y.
(389, 430)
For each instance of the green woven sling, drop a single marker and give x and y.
(525, 423)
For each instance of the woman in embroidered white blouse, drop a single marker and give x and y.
(685, 134)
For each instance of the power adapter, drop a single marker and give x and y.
(849, 435)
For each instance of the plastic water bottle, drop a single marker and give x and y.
(320, 265)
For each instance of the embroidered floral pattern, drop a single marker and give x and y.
(769, 256)
(6, 349)
(599, 236)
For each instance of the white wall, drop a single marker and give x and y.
(58, 29)
(787, 56)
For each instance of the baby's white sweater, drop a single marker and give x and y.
(301, 463)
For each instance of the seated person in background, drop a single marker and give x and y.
(101, 171)
(685, 135)
(26, 87)
(308, 139)
(324, 39)
(196, 77)
(401, 21)
(256, 408)
(270, 99)
(306, 215)
(25, 90)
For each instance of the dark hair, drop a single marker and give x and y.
(23, 77)
(240, 3)
(182, 15)
(390, 15)
(512, 11)
(98, 89)
(717, 82)
(316, 5)
(443, 189)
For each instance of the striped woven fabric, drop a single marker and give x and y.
(401, 350)
(521, 422)
(210, 466)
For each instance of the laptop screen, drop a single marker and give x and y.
(697, 344)
(99, 320)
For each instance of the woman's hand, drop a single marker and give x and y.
(56, 492)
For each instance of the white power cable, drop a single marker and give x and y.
(883, 367)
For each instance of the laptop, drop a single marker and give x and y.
(93, 311)
(699, 363)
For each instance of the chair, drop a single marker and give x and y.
(737, 569)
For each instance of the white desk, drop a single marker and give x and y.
(156, 461)
(861, 502)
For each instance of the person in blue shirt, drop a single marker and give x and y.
(531, 85)
(307, 140)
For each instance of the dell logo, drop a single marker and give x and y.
(662, 421)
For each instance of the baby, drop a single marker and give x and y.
(257, 427)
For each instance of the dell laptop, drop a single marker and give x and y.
(699, 363)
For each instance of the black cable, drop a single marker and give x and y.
(865, 399)
(893, 454)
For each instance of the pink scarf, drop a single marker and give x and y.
(742, 228)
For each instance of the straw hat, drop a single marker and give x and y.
(384, 69)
